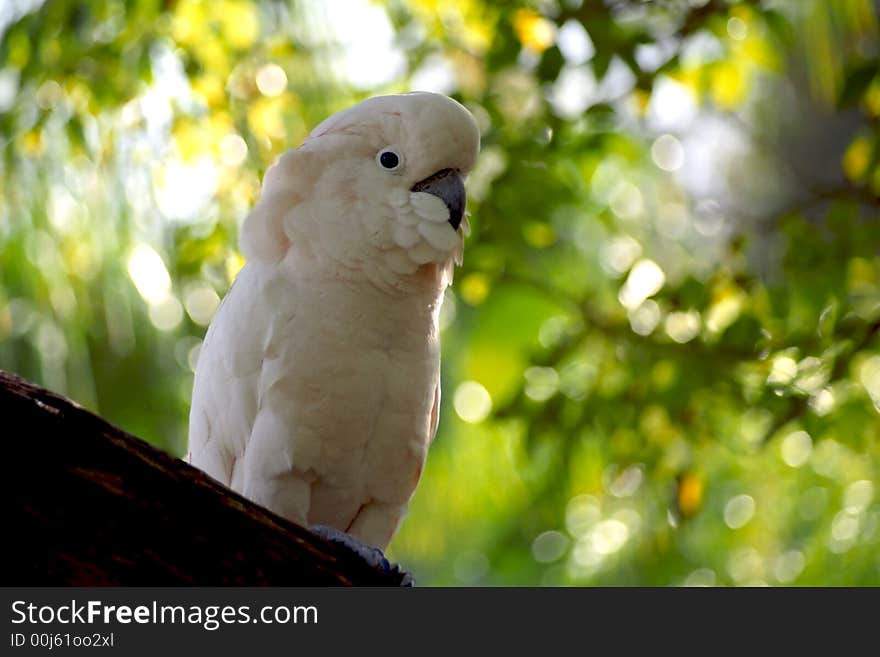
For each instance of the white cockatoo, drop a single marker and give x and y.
(317, 390)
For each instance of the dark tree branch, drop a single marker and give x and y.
(89, 504)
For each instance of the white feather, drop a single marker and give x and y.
(429, 207)
(441, 236)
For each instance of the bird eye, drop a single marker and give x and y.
(389, 159)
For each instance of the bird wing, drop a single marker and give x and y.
(225, 397)
(241, 426)
(224, 402)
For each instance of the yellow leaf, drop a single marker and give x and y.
(234, 263)
(539, 234)
(857, 157)
(871, 99)
(824, 61)
(474, 288)
(474, 22)
(759, 52)
(189, 23)
(210, 88)
(862, 275)
(533, 30)
(639, 100)
(213, 56)
(728, 303)
(32, 142)
(189, 139)
(220, 124)
(265, 118)
(743, 12)
(655, 425)
(729, 85)
(239, 23)
(18, 50)
(690, 494)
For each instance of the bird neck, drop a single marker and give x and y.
(418, 294)
(424, 284)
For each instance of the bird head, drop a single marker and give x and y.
(378, 187)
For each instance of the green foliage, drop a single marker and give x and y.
(661, 356)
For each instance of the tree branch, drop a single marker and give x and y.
(93, 505)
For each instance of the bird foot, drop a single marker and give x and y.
(373, 556)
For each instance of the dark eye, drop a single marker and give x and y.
(389, 159)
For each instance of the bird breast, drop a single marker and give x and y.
(355, 375)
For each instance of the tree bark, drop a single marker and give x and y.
(93, 505)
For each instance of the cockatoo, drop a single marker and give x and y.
(317, 389)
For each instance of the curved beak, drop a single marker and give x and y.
(448, 186)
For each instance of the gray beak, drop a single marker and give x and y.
(448, 186)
